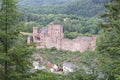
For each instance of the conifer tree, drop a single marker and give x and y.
(13, 54)
(110, 41)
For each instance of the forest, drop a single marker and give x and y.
(83, 8)
(79, 18)
(76, 19)
(73, 26)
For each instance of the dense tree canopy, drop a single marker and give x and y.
(14, 53)
(84, 8)
(110, 40)
(72, 24)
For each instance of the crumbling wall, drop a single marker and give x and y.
(54, 37)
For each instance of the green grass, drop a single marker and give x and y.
(59, 56)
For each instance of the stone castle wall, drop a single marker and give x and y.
(53, 36)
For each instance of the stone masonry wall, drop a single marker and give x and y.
(53, 36)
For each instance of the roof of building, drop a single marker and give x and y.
(68, 64)
(50, 65)
(44, 30)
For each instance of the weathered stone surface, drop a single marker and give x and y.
(53, 36)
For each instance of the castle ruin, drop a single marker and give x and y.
(53, 36)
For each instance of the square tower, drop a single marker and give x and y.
(35, 34)
(55, 32)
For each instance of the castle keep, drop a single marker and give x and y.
(53, 36)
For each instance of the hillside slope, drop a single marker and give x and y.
(84, 8)
(38, 3)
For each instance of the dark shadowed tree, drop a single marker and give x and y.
(13, 53)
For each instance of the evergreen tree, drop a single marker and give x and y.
(110, 40)
(13, 54)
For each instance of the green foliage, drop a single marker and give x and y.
(71, 35)
(110, 41)
(84, 8)
(38, 3)
(44, 15)
(14, 53)
(53, 49)
(27, 26)
(89, 60)
(40, 75)
(80, 75)
(59, 56)
(73, 25)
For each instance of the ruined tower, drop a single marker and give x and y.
(35, 34)
(56, 34)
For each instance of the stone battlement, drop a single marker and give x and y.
(53, 36)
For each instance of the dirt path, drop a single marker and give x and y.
(25, 33)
